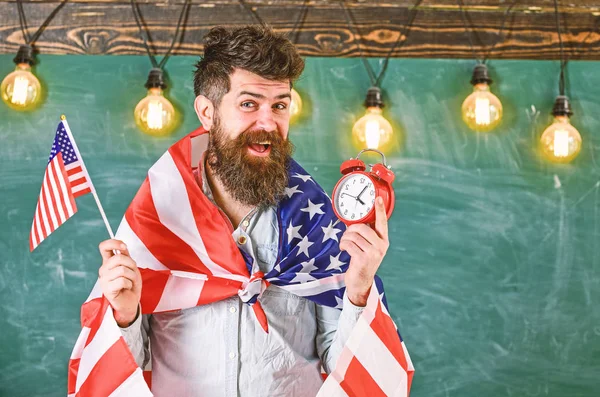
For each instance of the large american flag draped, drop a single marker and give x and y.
(64, 179)
(187, 257)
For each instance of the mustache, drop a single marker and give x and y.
(253, 136)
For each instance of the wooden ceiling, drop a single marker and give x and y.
(108, 27)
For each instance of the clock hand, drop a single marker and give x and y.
(360, 194)
(347, 195)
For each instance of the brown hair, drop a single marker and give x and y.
(255, 48)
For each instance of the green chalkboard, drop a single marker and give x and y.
(493, 274)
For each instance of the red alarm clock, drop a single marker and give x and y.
(354, 195)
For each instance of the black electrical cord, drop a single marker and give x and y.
(377, 79)
(593, 30)
(146, 37)
(463, 14)
(23, 23)
(299, 22)
(254, 14)
(563, 61)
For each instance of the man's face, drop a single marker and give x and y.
(248, 147)
(255, 103)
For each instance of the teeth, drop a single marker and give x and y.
(264, 143)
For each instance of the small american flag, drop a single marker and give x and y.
(65, 178)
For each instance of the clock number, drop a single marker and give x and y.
(372, 192)
(362, 180)
(341, 204)
(352, 215)
(346, 212)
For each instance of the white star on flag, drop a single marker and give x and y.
(303, 246)
(330, 232)
(292, 232)
(304, 274)
(290, 191)
(340, 303)
(303, 177)
(302, 278)
(313, 209)
(335, 263)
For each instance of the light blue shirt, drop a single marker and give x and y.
(220, 349)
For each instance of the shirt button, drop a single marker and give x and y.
(232, 309)
(242, 240)
(232, 355)
(245, 223)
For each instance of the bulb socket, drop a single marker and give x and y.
(373, 98)
(562, 107)
(24, 55)
(481, 75)
(156, 79)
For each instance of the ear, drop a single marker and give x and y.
(205, 111)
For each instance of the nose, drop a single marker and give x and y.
(266, 120)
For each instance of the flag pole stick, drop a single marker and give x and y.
(84, 169)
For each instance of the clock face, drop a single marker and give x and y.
(354, 197)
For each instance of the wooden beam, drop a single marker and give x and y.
(108, 27)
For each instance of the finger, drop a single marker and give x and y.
(107, 248)
(121, 271)
(353, 250)
(119, 284)
(119, 260)
(381, 221)
(366, 232)
(357, 239)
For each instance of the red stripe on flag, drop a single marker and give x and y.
(209, 221)
(166, 247)
(61, 166)
(72, 378)
(46, 223)
(384, 328)
(55, 215)
(359, 383)
(82, 192)
(78, 181)
(61, 198)
(216, 289)
(75, 170)
(154, 282)
(31, 247)
(148, 378)
(92, 314)
(113, 368)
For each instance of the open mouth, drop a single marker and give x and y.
(260, 148)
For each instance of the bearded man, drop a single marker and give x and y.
(220, 242)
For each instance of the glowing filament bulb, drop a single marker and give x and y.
(295, 105)
(482, 111)
(155, 113)
(372, 129)
(561, 142)
(372, 133)
(21, 90)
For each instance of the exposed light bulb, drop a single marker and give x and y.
(154, 114)
(372, 130)
(561, 142)
(295, 105)
(21, 90)
(482, 110)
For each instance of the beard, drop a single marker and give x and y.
(251, 180)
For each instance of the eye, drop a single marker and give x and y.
(280, 106)
(248, 104)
